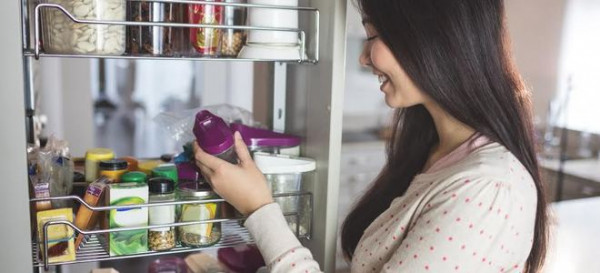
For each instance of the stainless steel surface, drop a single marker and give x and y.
(29, 98)
(93, 251)
(301, 32)
(14, 196)
(279, 94)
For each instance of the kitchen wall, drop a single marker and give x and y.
(535, 27)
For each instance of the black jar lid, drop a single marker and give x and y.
(113, 164)
(161, 185)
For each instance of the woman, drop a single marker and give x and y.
(461, 190)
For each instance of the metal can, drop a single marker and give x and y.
(206, 41)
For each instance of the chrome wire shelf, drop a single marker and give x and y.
(92, 249)
(36, 51)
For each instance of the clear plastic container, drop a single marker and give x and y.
(199, 235)
(166, 41)
(61, 35)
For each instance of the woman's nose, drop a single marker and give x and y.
(364, 59)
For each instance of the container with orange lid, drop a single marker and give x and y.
(132, 163)
(113, 169)
(92, 158)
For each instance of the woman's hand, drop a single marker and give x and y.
(242, 185)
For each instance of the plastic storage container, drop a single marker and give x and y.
(161, 190)
(166, 41)
(198, 235)
(92, 158)
(284, 175)
(261, 140)
(135, 177)
(63, 36)
(166, 170)
(113, 169)
(214, 136)
(168, 265)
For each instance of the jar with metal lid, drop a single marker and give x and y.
(161, 190)
(198, 235)
(233, 39)
(113, 169)
(155, 40)
(92, 158)
(136, 177)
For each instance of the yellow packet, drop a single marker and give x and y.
(61, 243)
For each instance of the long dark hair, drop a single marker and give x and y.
(456, 52)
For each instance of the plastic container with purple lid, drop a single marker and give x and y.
(261, 140)
(214, 136)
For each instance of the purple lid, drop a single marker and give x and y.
(212, 133)
(254, 137)
(188, 171)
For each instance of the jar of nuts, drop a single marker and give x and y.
(233, 39)
(161, 190)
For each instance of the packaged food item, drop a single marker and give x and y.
(166, 41)
(61, 35)
(135, 177)
(161, 190)
(261, 140)
(86, 218)
(167, 171)
(214, 136)
(41, 190)
(92, 158)
(61, 247)
(113, 169)
(206, 41)
(133, 241)
(132, 163)
(148, 165)
(233, 39)
(198, 235)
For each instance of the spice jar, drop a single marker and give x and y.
(161, 190)
(92, 158)
(113, 169)
(135, 177)
(233, 39)
(206, 41)
(198, 235)
(166, 170)
(155, 40)
(214, 136)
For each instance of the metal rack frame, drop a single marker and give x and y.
(37, 51)
(92, 251)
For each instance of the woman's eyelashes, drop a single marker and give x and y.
(371, 38)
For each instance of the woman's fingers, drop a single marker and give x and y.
(210, 161)
(241, 149)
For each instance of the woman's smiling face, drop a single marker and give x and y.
(399, 89)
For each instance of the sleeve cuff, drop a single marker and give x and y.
(271, 233)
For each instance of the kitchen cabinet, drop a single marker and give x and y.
(306, 99)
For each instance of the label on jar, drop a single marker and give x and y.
(198, 212)
(206, 40)
(161, 215)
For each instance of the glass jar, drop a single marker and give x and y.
(61, 35)
(135, 177)
(92, 158)
(166, 41)
(113, 169)
(233, 39)
(206, 41)
(199, 235)
(161, 190)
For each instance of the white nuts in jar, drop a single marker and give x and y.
(62, 35)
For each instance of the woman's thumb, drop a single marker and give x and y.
(240, 148)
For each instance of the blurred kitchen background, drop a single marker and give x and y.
(555, 44)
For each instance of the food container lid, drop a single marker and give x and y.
(212, 133)
(161, 185)
(188, 171)
(113, 164)
(195, 189)
(137, 177)
(98, 154)
(166, 170)
(256, 137)
(275, 163)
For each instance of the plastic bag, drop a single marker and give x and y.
(53, 166)
(179, 124)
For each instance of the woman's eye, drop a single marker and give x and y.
(371, 38)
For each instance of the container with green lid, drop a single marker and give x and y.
(166, 170)
(199, 235)
(136, 177)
